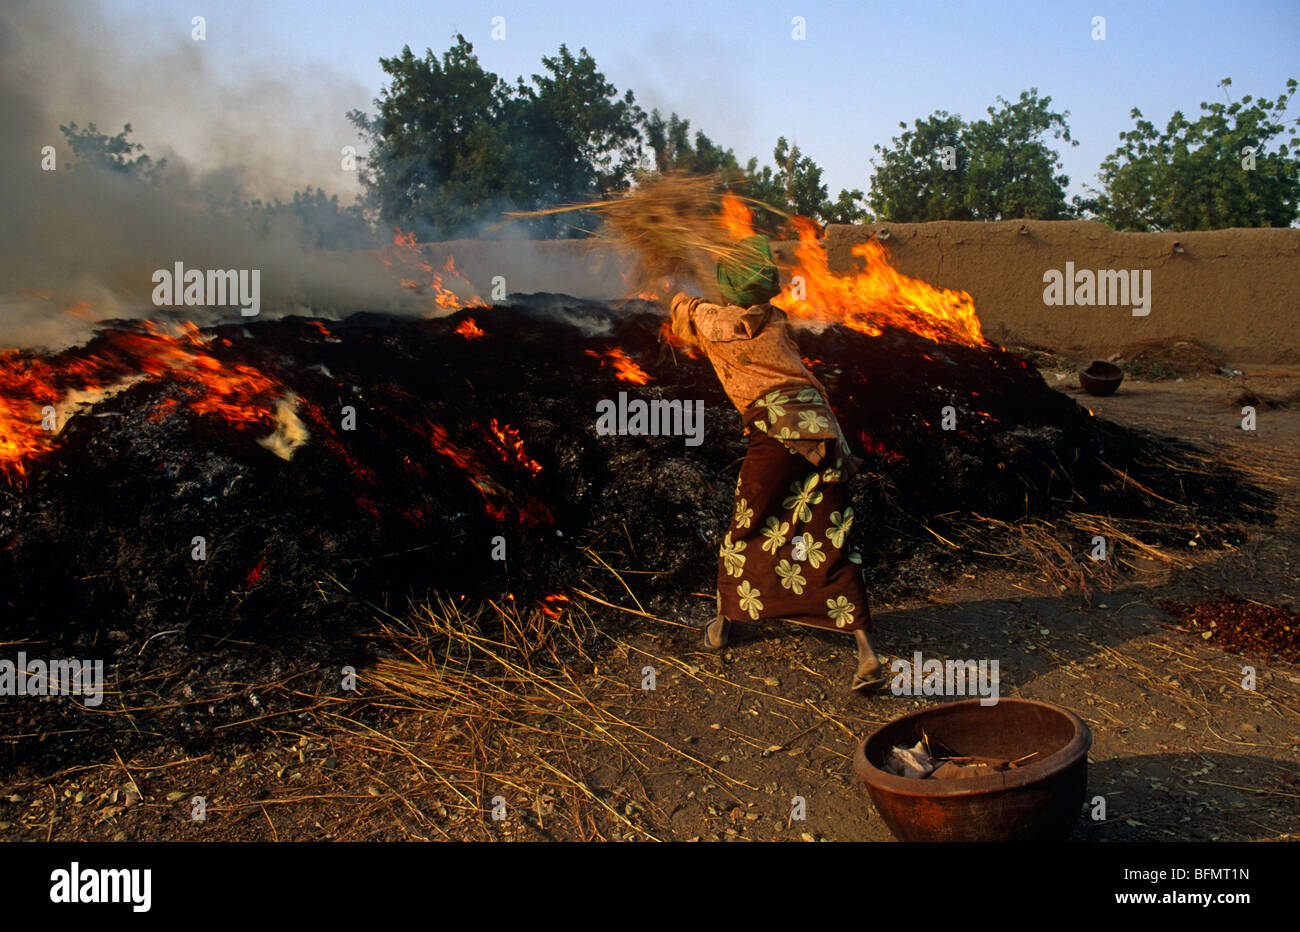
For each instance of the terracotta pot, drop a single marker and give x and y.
(1037, 801)
(1101, 378)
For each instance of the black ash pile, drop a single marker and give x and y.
(436, 447)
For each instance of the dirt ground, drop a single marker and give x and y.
(723, 743)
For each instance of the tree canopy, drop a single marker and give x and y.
(453, 145)
(116, 154)
(1209, 173)
(670, 143)
(795, 186)
(998, 168)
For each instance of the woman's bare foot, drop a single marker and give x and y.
(869, 675)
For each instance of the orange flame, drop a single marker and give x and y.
(406, 259)
(624, 367)
(553, 612)
(736, 218)
(466, 460)
(30, 385)
(469, 330)
(324, 331)
(511, 446)
(868, 300)
(531, 511)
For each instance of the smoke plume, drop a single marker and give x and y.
(91, 238)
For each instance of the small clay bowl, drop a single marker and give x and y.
(1101, 378)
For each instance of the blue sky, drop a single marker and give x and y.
(735, 72)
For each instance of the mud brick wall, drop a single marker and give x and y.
(1236, 291)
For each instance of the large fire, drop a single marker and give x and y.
(869, 300)
(38, 394)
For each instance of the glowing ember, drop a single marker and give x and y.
(624, 367)
(506, 439)
(469, 330)
(466, 460)
(872, 445)
(325, 332)
(553, 612)
(511, 447)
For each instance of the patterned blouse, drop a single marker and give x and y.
(758, 364)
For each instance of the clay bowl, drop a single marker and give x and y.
(1038, 801)
(1101, 378)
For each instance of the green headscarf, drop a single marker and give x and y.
(748, 276)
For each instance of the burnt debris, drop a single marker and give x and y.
(470, 441)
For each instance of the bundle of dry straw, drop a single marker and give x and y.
(669, 225)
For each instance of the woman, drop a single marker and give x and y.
(787, 553)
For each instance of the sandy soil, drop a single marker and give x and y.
(724, 742)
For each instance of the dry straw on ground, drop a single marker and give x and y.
(505, 698)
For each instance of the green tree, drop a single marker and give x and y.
(796, 187)
(117, 154)
(670, 142)
(316, 220)
(847, 208)
(577, 118)
(993, 169)
(1205, 174)
(436, 148)
(453, 145)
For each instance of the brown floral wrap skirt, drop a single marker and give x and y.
(787, 553)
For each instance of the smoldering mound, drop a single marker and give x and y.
(460, 444)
